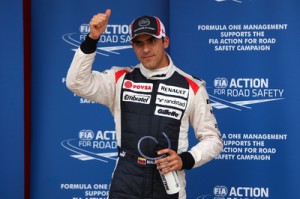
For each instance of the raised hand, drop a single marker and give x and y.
(98, 24)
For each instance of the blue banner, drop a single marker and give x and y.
(245, 50)
(11, 100)
(74, 145)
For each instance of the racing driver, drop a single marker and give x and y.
(154, 99)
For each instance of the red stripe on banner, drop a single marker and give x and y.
(27, 94)
(194, 86)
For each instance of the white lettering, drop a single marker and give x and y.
(173, 90)
(171, 101)
(249, 192)
(137, 98)
(106, 135)
(168, 112)
(249, 83)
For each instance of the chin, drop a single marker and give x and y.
(148, 65)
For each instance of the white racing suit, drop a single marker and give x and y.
(148, 103)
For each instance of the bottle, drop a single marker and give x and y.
(171, 182)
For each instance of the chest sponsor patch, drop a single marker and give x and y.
(171, 101)
(168, 112)
(173, 90)
(140, 87)
(136, 97)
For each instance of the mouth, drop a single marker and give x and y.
(147, 56)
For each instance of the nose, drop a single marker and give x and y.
(146, 48)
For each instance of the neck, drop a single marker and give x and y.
(160, 73)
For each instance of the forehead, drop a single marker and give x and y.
(143, 37)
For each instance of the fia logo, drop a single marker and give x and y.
(244, 91)
(116, 37)
(84, 28)
(220, 82)
(220, 191)
(86, 135)
(100, 146)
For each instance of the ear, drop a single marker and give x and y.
(166, 42)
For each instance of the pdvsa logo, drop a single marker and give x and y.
(140, 87)
(101, 145)
(238, 93)
(115, 38)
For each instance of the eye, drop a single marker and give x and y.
(137, 43)
(152, 40)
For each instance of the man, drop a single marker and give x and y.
(150, 100)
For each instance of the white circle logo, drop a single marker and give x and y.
(86, 135)
(144, 22)
(84, 28)
(220, 82)
(220, 191)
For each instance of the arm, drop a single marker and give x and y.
(206, 131)
(93, 85)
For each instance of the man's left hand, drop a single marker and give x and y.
(172, 162)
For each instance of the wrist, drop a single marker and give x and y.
(188, 160)
(89, 45)
(93, 37)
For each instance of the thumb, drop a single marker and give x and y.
(108, 12)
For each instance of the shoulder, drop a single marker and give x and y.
(125, 69)
(118, 71)
(194, 82)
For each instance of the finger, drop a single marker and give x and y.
(161, 160)
(163, 166)
(164, 169)
(96, 20)
(108, 12)
(105, 17)
(163, 151)
(170, 162)
(167, 170)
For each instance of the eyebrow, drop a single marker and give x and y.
(149, 39)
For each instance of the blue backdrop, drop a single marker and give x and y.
(247, 51)
(71, 135)
(11, 100)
